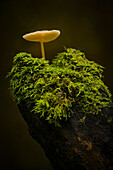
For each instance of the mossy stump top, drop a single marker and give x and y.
(50, 91)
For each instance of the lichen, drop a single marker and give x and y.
(51, 91)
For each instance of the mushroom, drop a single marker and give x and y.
(42, 36)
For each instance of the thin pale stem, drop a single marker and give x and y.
(42, 50)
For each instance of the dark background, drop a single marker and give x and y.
(86, 25)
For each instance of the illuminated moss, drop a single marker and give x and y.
(51, 91)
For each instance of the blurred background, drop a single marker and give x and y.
(86, 25)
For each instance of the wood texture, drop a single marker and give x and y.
(74, 145)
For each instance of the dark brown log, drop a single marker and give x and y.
(74, 145)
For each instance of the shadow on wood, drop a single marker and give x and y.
(74, 145)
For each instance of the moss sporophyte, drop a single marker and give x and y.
(51, 91)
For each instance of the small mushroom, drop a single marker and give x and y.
(42, 36)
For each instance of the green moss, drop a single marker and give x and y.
(51, 91)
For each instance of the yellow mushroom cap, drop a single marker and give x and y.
(42, 36)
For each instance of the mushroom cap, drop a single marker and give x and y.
(42, 36)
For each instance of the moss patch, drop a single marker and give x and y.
(51, 91)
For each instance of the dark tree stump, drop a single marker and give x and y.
(74, 145)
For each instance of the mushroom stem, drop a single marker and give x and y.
(42, 50)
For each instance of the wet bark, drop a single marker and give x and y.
(74, 145)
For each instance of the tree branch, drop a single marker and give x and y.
(74, 145)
